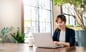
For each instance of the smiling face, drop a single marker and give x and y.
(60, 24)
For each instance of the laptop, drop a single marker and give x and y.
(44, 40)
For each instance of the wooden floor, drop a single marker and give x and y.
(12, 47)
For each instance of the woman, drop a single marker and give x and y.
(63, 35)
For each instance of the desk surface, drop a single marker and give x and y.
(11, 47)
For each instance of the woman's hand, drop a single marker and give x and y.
(62, 43)
(57, 43)
(66, 44)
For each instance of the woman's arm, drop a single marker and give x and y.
(66, 44)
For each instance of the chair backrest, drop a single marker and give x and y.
(81, 38)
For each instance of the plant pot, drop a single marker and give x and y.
(81, 37)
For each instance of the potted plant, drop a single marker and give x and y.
(79, 9)
(18, 37)
(5, 34)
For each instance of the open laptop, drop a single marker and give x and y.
(44, 40)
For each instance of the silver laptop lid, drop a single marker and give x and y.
(43, 40)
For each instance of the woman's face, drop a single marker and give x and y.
(60, 24)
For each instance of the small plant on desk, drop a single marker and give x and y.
(18, 36)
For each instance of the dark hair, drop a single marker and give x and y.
(62, 17)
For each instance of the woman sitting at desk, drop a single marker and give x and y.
(63, 35)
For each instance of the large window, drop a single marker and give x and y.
(71, 11)
(37, 15)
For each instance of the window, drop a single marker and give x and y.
(71, 11)
(37, 15)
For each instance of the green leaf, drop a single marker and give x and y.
(61, 2)
(18, 37)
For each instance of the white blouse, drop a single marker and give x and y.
(62, 36)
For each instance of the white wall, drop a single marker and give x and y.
(10, 13)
